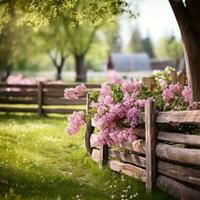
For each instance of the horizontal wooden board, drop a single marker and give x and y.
(95, 155)
(19, 101)
(63, 86)
(127, 157)
(128, 169)
(137, 146)
(60, 110)
(93, 140)
(18, 94)
(5, 85)
(193, 140)
(182, 155)
(185, 174)
(6, 109)
(177, 189)
(63, 101)
(179, 116)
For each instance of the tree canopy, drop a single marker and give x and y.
(37, 13)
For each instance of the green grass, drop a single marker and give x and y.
(39, 161)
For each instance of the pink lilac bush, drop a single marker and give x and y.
(117, 105)
(76, 120)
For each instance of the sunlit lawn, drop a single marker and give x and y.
(39, 161)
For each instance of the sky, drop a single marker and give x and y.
(156, 19)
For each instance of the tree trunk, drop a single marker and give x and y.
(58, 73)
(7, 70)
(188, 18)
(80, 68)
(58, 64)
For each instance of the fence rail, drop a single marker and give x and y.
(163, 159)
(39, 95)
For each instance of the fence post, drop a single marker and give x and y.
(150, 139)
(174, 77)
(89, 128)
(149, 82)
(40, 99)
(103, 156)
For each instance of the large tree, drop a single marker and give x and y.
(187, 13)
(80, 37)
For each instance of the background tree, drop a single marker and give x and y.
(148, 46)
(15, 45)
(113, 37)
(188, 18)
(54, 42)
(135, 43)
(138, 44)
(169, 48)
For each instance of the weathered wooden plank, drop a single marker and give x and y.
(12, 109)
(177, 189)
(182, 78)
(179, 116)
(149, 82)
(127, 157)
(137, 146)
(18, 94)
(95, 155)
(185, 174)
(103, 156)
(63, 101)
(182, 155)
(63, 86)
(93, 140)
(179, 138)
(60, 110)
(89, 128)
(19, 101)
(53, 93)
(174, 76)
(150, 138)
(5, 85)
(128, 169)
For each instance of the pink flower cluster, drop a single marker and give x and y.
(187, 94)
(76, 120)
(75, 93)
(19, 79)
(171, 91)
(175, 91)
(117, 121)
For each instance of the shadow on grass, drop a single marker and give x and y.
(34, 186)
(21, 117)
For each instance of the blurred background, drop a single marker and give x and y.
(59, 52)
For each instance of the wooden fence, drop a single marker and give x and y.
(167, 160)
(42, 96)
